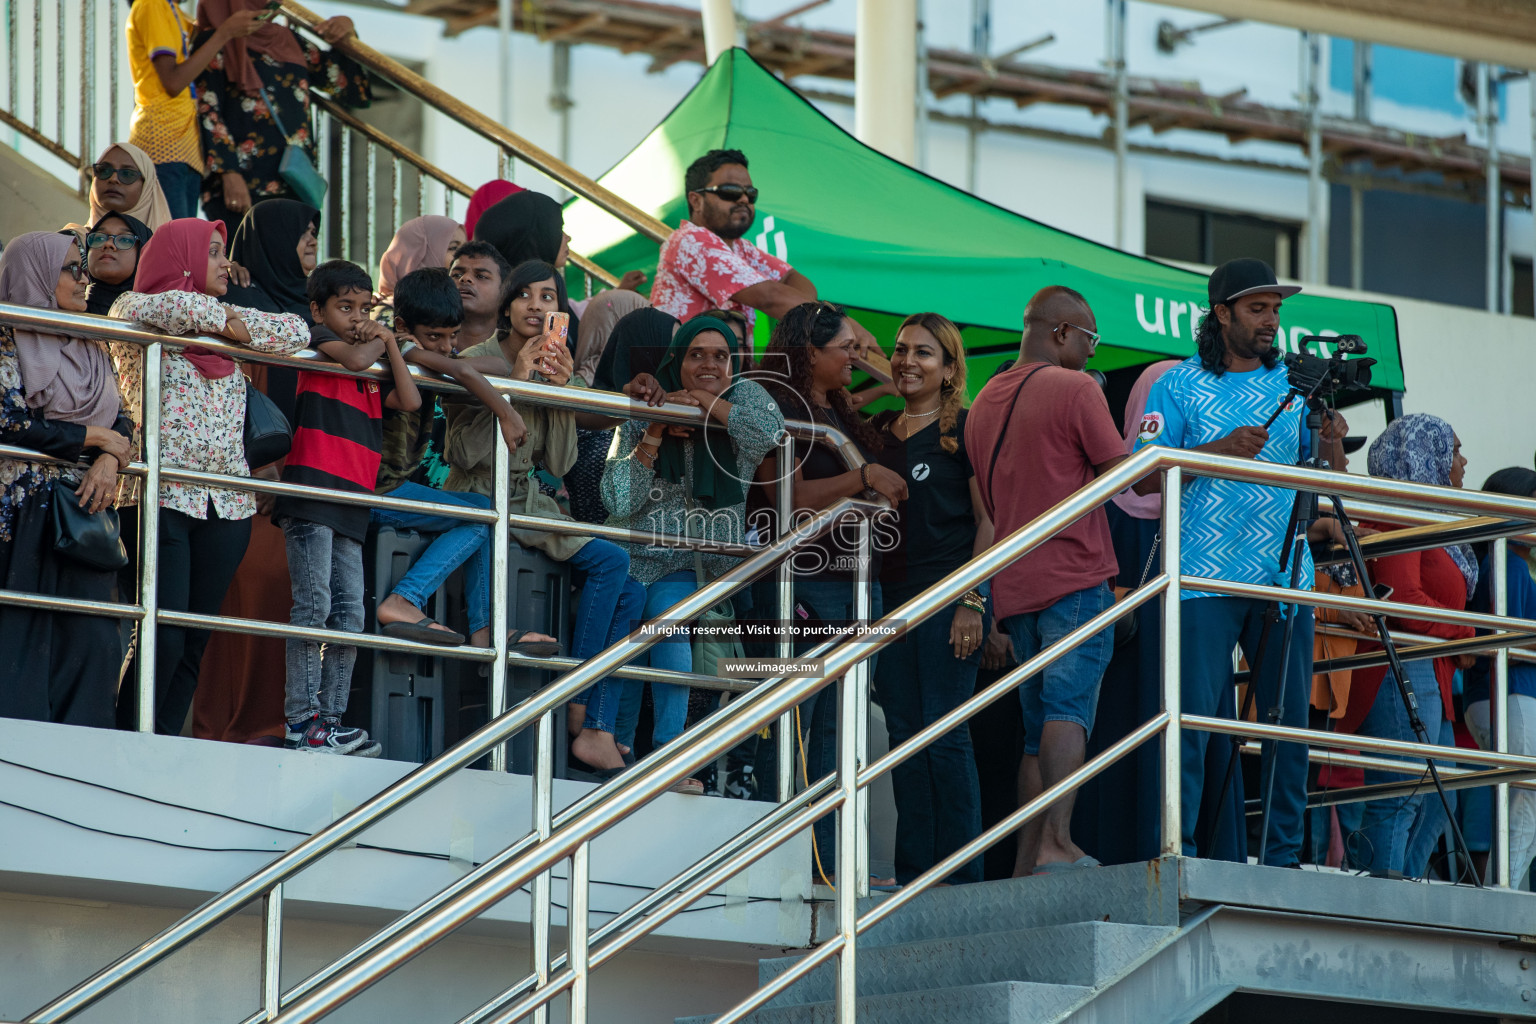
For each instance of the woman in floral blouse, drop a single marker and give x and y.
(242, 143)
(203, 530)
(694, 485)
(58, 396)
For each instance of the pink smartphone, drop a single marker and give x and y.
(557, 329)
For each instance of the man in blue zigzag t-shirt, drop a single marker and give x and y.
(1215, 402)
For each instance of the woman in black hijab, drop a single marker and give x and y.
(277, 242)
(526, 226)
(113, 246)
(637, 345)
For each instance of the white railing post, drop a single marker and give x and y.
(785, 589)
(149, 537)
(576, 925)
(501, 491)
(272, 952)
(1173, 489)
(861, 677)
(1499, 696)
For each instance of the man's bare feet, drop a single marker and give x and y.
(395, 608)
(597, 748)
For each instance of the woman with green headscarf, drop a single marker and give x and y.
(679, 481)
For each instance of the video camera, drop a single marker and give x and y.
(1319, 377)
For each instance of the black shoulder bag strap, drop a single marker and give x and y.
(1003, 433)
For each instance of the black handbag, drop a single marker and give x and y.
(94, 540)
(268, 437)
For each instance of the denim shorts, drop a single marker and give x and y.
(1068, 689)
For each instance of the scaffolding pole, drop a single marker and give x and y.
(981, 45)
(1316, 269)
(1488, 114)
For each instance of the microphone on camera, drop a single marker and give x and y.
(1344, 344)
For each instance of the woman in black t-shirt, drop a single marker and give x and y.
(807, 368)
(942, 525)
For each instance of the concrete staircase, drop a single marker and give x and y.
(1165, 941)
(1018, 952)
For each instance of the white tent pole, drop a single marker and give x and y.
(885, 89)
(719, 27)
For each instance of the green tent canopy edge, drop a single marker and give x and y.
(881, 237)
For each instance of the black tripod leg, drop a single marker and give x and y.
(1352, 541)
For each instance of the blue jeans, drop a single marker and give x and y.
(827, 601)
(1382, 842)
(327, 573)
(181, 185)
(1068, 690)
(1209, 628)
(675, 654)
(609, 602)
(458, 543)
(1432, 822)
(938, 794)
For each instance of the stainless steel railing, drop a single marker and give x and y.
(152, 472)
(570, 835)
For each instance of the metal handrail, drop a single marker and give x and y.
(471, 749)
(483, 126)
(705, 741)
(603, 403)
(604, 808)
(400, 151)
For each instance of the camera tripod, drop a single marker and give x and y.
(1304, 511)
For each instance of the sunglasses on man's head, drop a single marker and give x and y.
(733, 193)
(125, 175)
(100, 240)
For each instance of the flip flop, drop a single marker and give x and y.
(688, 787)
(581, 771)
(422, 632)
(531, 648)
(1066, 865)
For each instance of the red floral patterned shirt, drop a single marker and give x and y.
(699, 270)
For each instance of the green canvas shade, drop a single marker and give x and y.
(886, 240)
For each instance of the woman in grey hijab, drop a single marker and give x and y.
(58, 396)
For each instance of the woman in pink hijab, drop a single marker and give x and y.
(182, 277)
(428, 241)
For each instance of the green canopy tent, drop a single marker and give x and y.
(885, 239)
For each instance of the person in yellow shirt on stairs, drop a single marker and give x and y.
(164, 65)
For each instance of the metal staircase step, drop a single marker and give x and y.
(1002, 1002)
(1084, 953)
(1145, 893)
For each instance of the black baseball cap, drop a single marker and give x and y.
(1236, 278)
(1353, 443)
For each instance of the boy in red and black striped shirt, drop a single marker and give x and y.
(337, 437)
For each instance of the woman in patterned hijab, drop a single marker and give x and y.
(1399, 833)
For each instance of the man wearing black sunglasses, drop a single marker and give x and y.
(708, 264)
